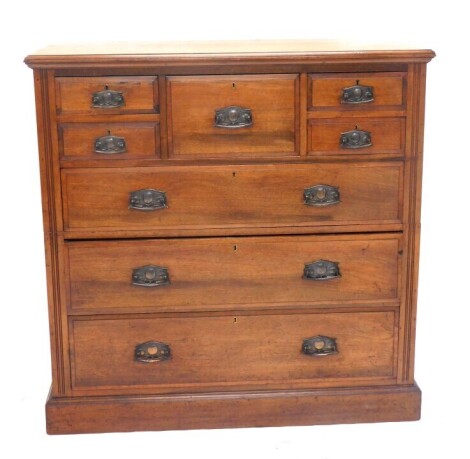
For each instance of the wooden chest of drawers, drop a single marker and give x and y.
(232, 233)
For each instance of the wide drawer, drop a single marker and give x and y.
(232, 273)
(356, 136)
(357, 91)
(197, 353)
(103, 95)
(173, 199)
(109, 140)
(232, 116)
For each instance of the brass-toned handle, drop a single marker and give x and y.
(107, 99)
(233, 117)
(147, 200)
(110, 145)
(355, 139)
(150, 276)
(318, 346)
(321, 270)
(321, 195)
(357, 94)
(152, 351)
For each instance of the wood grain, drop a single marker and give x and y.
(222, 352)
(75, 94)
(223, 196)
(77, 140)
(326, 90)
(387, 136)
(193, 101)
(232, 273)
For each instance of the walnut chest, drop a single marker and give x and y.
(232, 233)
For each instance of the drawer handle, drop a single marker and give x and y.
(355, 139)
(233, 117)
(321, 270)
(150, 276)
(107, 99)
(321, 195)
(152, 351)
(358, 94)
(147, 199)
(110, 145)
(318, 346)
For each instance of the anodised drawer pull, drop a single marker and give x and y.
(318, 346)
(357, 94)
(107, 99)
(147, 199)
(110, 145)
(150, 276)
(321, 195)
(355, 139)
(233, 117)
(321, 270)
(152, 351)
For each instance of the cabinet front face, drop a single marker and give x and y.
(231, 238)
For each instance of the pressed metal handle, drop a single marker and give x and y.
(152, 351)
(107, 99)
(110, 145)
(321, 270)
(318, 346)
(150, 276)
(357, 94)
(355, 139)
(321, 195)
(147, 200)
(233, 117)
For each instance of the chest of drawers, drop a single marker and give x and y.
(231, 233)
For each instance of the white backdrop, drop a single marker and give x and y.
(442, 352)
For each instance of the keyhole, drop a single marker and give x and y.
(357, 82)
(109, 132)
(233, 85)
(235, 320)
(234, 174)
(235, 247)
(356, 127)
(106, 87)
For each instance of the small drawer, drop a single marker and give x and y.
(107, 95)
(356, 136)
(197, 353)
(177, 198)
(232, 116)
(196, 274)
(356, 91)
(109, 140)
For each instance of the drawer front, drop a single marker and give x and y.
(109, 140)
(232, 196)
(356, 136)
(205, 119)
(356, 91)
(102, 95)
(231, 273)
(194, 353)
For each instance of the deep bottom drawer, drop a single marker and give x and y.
(198, 353)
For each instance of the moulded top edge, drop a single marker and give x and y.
(293, 50)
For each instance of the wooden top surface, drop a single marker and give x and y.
(60, 55)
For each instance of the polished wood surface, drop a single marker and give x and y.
(193, 101)
(387, 136)
(74, 95)
(235, 237)
(257, 271)
(226, 352)
(326, 90)
(225, 196)
(77, 140)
